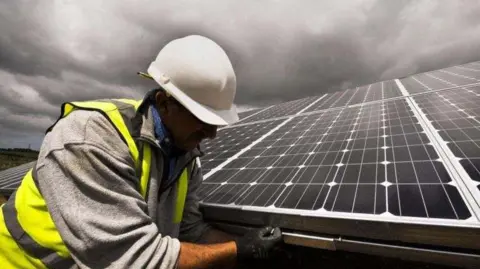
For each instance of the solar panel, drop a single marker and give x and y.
(11, 178)
(441, 79)
(367, 159)
(454, 76)
(473, 72)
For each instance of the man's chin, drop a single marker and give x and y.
(189, 146)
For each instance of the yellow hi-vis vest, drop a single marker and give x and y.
(28, 236)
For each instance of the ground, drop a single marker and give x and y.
(15, 157)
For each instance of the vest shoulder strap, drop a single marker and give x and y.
(182, 190)
(119, 113)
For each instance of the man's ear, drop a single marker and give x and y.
(161, 97)
(161, 100)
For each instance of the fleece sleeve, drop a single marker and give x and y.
(86, 176)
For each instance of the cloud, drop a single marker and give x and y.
(57, 51)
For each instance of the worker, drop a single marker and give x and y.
(116, 180)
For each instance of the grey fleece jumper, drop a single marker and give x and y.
(87, 178)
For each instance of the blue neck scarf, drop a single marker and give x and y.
(161, 132)
(165, 141)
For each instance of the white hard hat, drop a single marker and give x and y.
(198, 73)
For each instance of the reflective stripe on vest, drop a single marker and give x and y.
(145, 170)
(26, 216)
(28, 222)
(182, 188)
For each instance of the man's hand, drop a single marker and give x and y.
(258, 243)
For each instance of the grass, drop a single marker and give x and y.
(16, 157)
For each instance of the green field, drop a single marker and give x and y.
(12, 158)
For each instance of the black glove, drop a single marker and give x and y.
(258, 243)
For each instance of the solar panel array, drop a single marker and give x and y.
(405, 150)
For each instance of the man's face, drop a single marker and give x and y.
(186, 130)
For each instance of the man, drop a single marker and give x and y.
(115, 182)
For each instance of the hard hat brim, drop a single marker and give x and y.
(204, 113)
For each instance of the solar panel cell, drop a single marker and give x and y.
(314, 175)
(472, 166)
(406, 200)
(310, 197)
(432, 201)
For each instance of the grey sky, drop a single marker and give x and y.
(57, 51)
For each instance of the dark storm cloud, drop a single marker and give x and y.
(57, 51)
